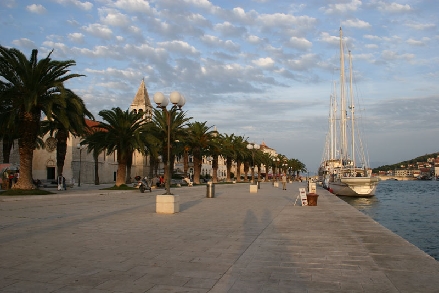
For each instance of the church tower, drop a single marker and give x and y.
(141, 102)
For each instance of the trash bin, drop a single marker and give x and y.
(210, 190)
(312, 199)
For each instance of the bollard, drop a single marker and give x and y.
(259, 184)
(210, 190)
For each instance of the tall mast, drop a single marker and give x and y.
(351, 93)
(343, 142)
(332, 120)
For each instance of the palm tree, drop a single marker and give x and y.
(31, 88)
(199, 139)
(228, 152)
(215, 150)
(123, 132)
(66, 120)
(240, 155)
(178, 126)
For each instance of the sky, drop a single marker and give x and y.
(263, 69)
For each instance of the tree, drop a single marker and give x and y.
(198, 139)
(240, 155)
(31, 88)
(228, 152)
(178, 127)
(66, 120)
(123, 132)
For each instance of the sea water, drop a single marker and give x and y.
(408, 208)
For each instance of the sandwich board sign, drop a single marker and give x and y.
(302, 193)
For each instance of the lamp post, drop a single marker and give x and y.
(80, 148)
(252, 147)
(177, 101)
(276, 162)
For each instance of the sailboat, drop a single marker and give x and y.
(344, 169)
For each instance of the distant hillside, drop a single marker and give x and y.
(405, 163)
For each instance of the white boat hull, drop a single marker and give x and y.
(354, 186)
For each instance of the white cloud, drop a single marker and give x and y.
(300, 43)
(139, 6)
(354, 5)
(253, 39)
(420, 26)
(76, 37)
(36, 8)
(81, 5)
(392, 55)
(264, 62)
(178, 47)
(393, 7)
(214, 41)
(305, 62)
(414, 42)
(98, 30)
(25, 43)
(356, 23)
(113, 18)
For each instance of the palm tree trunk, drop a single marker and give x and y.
(121, 169)
(96, 160)
(129, 165)
(246, 168)
(238, 171)
(26, 145)
(61, 150)
(229, 168)
(215, 169)
(197, 167)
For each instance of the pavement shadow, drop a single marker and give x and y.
(188, 204)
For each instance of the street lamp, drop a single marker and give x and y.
(80, 148)
(253, 146)
(177, 101)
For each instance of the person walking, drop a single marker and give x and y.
(284, 182)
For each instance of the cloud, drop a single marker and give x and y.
(24, 43)
(253, 39)
(337, 8)
(81, 5)
(179, 47)
(138, 6)
(392, 7)
(214, 41)
(264, 62)
(356, 23)
(76, 37)
(113, 18)
(229, 30)
(36, 8)
(300, 43)
(420, 43)
(420, 26)
(98, 30)
(392, 55)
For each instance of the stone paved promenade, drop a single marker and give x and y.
(89, 240)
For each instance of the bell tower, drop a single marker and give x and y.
(141, 102)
